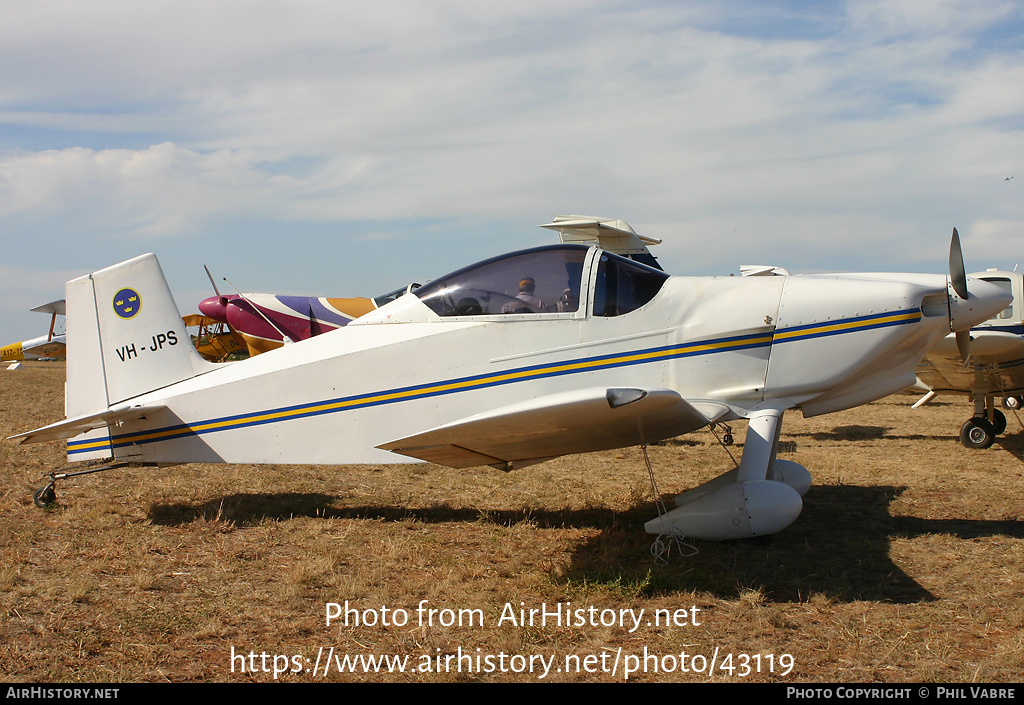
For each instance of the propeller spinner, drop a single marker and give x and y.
(965, 305)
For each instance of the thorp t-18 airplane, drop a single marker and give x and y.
(993, 369)
(514, 360)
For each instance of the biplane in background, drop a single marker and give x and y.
(266, 321)
(214, 340)
(465, 371)
(51, 345)
(993, 369)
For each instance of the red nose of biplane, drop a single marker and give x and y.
(216, 307)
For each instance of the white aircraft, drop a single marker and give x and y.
(994, 369)
(50, 345)
(511, 361)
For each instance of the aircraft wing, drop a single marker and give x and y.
(81, 424)
(558, 424)
(194, 320)
(54, 307)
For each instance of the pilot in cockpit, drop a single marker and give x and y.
(526, 301)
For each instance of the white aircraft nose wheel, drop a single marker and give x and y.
(977, 433)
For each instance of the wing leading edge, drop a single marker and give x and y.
(558, 424)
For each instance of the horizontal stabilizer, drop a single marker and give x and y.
(81, 424)
(557, 424)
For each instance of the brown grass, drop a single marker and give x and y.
(906, 564)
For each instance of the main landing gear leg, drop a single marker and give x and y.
(761, 496)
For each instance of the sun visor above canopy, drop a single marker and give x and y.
(611, 235)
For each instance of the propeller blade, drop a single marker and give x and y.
(963, 344)
(958, 280)
(220, 297)
(957, 273)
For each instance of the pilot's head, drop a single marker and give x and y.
(527, 285)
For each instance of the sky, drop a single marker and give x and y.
(348, 148)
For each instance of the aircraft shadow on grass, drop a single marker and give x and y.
(1012, 443)
(851, 433)
(840, 547)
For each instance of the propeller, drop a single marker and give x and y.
(957, 273)
(220, 297)
(958, 281)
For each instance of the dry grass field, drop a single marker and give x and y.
(905, 566)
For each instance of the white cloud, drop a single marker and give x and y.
(883, 123)
(887, 20)
(162, 190)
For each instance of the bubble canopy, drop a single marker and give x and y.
(545, 280)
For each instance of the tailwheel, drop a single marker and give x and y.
(1012, 402)
(45, 496)
(977, 432)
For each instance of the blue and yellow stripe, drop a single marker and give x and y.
(495, 379)
(847, 325)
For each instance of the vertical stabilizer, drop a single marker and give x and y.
(125, 337)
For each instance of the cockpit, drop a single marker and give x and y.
(552, 280)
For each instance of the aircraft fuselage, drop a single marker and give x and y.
(727, 345)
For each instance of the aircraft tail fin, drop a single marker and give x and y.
(125, 337)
